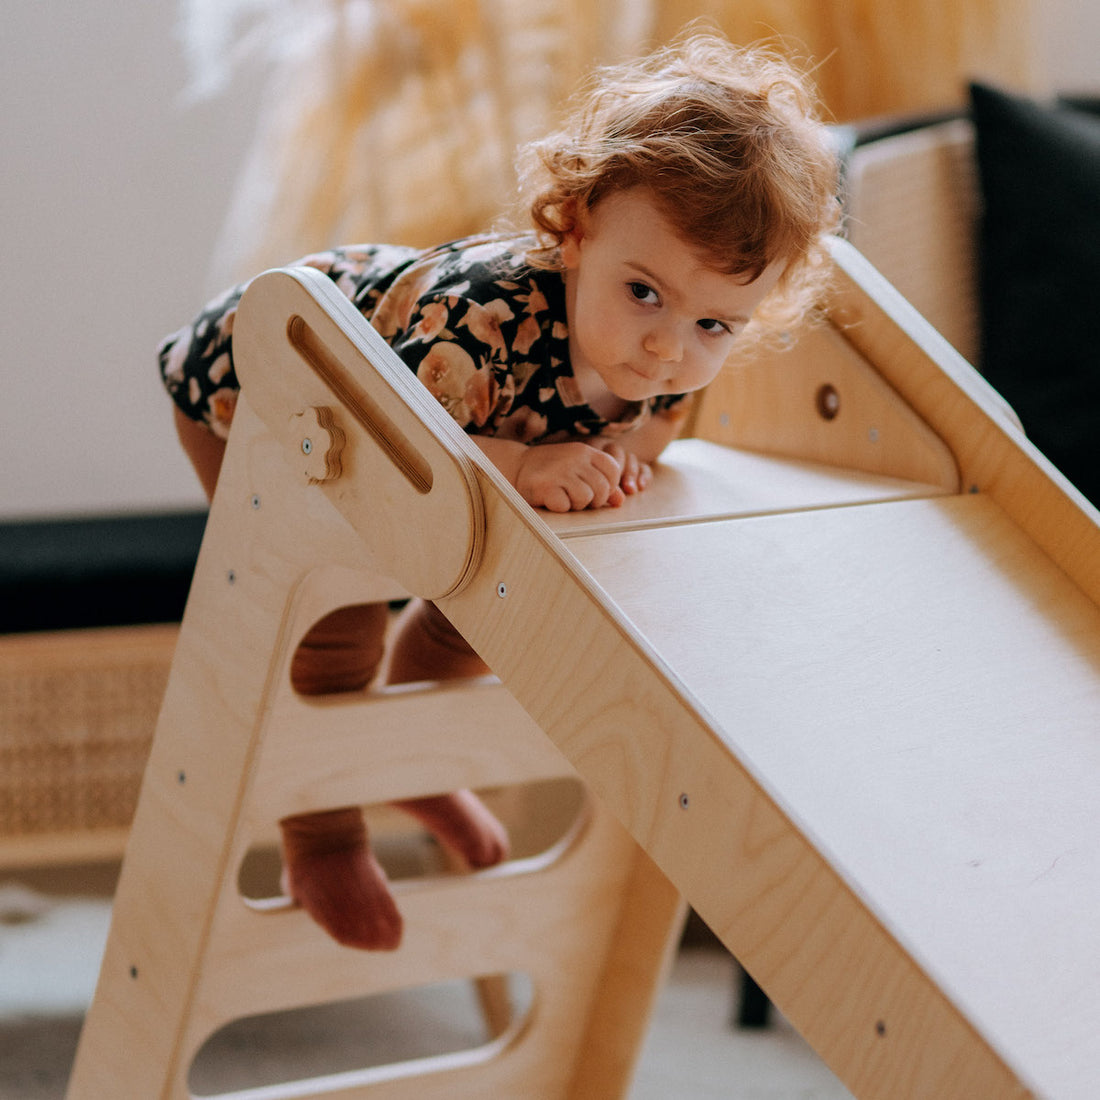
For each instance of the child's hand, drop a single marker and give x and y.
(635, 475)
(569, 477)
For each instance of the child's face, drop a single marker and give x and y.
(645, 314)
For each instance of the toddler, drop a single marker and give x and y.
(683, 205)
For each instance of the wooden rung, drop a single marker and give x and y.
(485, 740)
(512, 918)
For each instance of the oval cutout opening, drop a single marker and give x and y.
(393, 443)
(540, 818)
(365, 1040)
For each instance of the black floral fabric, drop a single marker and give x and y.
(484, 331)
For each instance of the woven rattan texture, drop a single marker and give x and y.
(76, 726)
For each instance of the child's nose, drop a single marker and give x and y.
(664, 342)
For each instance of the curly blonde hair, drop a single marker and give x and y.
(728, 141)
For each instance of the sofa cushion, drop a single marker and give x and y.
(1039, 271)
(57, 574)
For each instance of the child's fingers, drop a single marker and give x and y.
(636, 475)
(608, 465)
(615, 451)
(570, 477)
(603, 479)
(629, 479)
(644, 477)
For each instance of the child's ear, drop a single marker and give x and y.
(571, 249)
(571, 242)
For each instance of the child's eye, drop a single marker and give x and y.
(709, 324)
(642, 293)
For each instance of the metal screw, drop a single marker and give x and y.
(827, 401)
(502, 590)
(307, 446)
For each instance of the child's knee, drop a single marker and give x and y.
(437, 628)
(340, 652)
(428, 647)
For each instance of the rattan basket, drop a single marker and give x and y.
(77, 715)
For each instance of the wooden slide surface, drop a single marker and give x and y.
(917, 689)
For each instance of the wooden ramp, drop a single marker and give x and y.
(834, 680)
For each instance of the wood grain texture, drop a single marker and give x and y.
(916, 686)
(822, 401)
(853, 728)
(592, 923)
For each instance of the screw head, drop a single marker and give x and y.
(827, 401)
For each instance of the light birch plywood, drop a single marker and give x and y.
(395, 471)
(490, 923)
(310, 742)
(822, 401)
(696, 479)
(182, 941)
(651, 714)
(916, 687)
(972, 419)
(654, 755)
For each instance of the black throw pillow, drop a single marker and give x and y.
(1039, 271)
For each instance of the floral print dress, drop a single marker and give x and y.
(482, 329)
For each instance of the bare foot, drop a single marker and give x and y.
(331, 872)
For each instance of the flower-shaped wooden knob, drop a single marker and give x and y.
(320, 441)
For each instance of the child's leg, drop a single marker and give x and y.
(427, 647)
(331, 872)
(342, 651)
(329, 868)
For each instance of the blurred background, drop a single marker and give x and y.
(154, 151)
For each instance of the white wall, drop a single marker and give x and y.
(113, 192)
